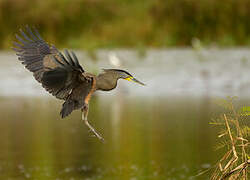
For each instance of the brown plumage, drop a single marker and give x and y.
(62, 75)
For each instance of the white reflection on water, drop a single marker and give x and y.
(166, 72)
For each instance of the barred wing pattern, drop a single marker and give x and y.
(60, 75)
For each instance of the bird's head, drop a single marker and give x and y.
(125, 75)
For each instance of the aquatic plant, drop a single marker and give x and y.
(234, 139)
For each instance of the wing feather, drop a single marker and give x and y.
(61, 75)
(66, 52)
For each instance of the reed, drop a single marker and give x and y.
(234, 139)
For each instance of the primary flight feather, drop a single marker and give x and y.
(62, 75)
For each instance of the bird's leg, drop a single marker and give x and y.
(85, 111)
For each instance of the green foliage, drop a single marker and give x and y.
(234, 140)
(94, 24)
(246, 131)
(225, 103)
(222, 144)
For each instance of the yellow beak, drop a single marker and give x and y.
(130, 78)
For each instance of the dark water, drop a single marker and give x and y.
(146, 138)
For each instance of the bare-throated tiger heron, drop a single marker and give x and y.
(62, 75)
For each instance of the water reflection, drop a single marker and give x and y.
(150, 138)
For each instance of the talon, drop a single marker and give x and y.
(84, 118)
(62, 75)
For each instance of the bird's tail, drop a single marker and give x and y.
(67, 107)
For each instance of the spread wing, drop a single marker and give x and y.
(61, 75)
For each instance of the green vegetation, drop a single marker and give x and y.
(92, 24)
(234, 140)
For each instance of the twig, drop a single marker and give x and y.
(239, 133)
(235, 157)
(241, 167)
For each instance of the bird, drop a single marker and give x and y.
(62, 75)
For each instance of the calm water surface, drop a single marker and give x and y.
(154, 132)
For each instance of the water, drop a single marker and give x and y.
(160, 131)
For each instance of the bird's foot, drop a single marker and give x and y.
(94, 131)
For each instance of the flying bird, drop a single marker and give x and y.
(62, 75)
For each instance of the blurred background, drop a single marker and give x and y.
(129, 23)
(188, 52)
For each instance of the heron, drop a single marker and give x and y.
(62, 75)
